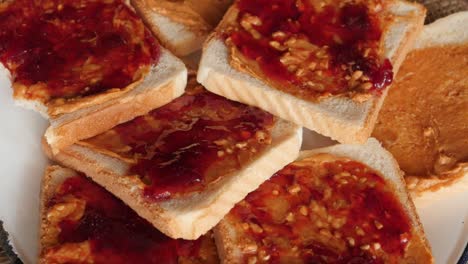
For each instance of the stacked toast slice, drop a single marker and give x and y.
(162, 160)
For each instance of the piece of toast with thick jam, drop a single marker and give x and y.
(183, 25)
(339, 204)
(84, 65)
(325, 65)
(184, 166)
(81, 222)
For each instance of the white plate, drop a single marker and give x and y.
(444, 215)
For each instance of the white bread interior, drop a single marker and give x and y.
(165, 82)
(451, 29)
(193, 215)
(340, 118)
(376, 157)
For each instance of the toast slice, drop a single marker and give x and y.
(339, 204)
(89, 76)
(185, 165)
(423, 120)
(274, 83)
(83, 223)
(182, 26)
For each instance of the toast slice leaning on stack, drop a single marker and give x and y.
(83, 223)
(85, 65)
(182, 26)
(339, 204)
(184, 166)
(324, 65)
(424, 120)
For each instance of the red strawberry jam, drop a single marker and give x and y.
(105, 230)
(312, 48)
(189, 143)
(324, 210)
(68, 48)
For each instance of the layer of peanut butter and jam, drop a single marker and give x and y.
(84, 223)
(323, 209)
(189, 144)
(63, 51)
(311, 49)
(201, 16)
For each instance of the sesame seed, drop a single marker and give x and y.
(378, 225)
(252, 260)
(365, 247)
(359, 231)
(294, 189)
(303, 210)
(256, 228)
(290, 217)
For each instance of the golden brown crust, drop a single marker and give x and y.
(418, 185)
(49, 184)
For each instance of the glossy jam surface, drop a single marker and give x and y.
(69, 49)
(324, 210)
(313, 48)
(96, 227)
(190, 143)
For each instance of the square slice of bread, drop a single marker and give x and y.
(423, 121)
(177, 36)
(55, 176)
(229, 233)
(340, 118)
(191, 215)
(164, 82)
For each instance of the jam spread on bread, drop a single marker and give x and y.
(68, 49)
(311, 49)
(323, 209)
(90, 225)
(190, 143)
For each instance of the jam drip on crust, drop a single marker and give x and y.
(189, 143)
(323, 210)
(69, 49)
(312, 49)
(89, 225)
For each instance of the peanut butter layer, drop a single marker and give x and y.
(311, 49)
(323, 209)
(199, 15)
(86, 224)
(424, 120)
